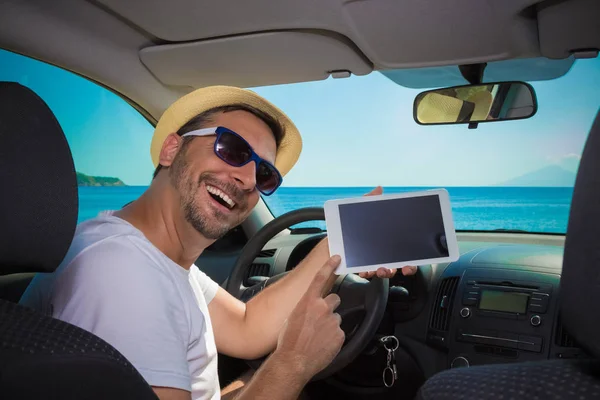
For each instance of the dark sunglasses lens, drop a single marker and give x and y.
(233, 149)
(267, 178)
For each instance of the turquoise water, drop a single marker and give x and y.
(474, 208)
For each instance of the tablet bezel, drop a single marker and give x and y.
(336, 244)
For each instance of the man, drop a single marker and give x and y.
(129, 276)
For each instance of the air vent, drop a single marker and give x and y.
(257, 270)
(442, 308)
(267, 253)
(563, 338)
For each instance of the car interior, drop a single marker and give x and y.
(516, 317)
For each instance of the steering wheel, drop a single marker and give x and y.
(358, 296)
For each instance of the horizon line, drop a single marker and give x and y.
(383, 186)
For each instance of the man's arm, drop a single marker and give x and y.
(167, 393)
(118, 293)
(310, 339)
(275, 379)
(250, 330)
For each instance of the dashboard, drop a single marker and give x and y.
(499, 303)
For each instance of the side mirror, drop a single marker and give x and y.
(490, 102)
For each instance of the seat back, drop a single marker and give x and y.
(39, 201)
(579, 302)
(580, 280)
(42, 357)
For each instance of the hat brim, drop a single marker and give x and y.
(200, 100)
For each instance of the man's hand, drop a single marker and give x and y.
(309, 340)
(385, 272)
(311, 336)
(251, 330)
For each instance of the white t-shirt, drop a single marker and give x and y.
(118, 285)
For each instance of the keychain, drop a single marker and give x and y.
(390, 374)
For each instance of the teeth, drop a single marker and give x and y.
(218, 192)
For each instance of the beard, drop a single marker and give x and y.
(209, 222)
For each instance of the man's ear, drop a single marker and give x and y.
(169, 149)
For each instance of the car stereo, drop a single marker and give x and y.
(501, 319)
(502, 299)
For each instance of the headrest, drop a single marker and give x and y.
(39, 187)
(483, 104)
(439, 108)
(580, 281)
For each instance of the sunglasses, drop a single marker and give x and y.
(237, 152)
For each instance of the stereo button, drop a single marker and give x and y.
(536, 320)
(465, 312)
(469, 300)
(470, 297)
(538, 307)
(538, 294)
(459, 362)
(539, 303)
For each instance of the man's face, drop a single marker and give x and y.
(203, 179)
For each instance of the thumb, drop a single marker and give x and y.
(324, 278)
(377, 191)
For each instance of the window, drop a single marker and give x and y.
(359, 132)
(109, 139)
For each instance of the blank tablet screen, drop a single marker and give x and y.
(394, 230)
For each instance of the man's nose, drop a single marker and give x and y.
(245, 175)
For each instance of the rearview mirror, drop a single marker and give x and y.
(490, 102)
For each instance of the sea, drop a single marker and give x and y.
(532, 209)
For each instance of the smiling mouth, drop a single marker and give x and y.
(220, 197)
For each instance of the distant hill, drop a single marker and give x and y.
(87, 180)
(551, 176)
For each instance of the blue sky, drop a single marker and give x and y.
(357, 131)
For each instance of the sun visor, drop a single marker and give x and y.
(570, 27)
(254, 60)
(526, 69)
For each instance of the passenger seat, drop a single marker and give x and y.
(42, 357)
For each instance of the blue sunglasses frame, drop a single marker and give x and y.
(219, 131)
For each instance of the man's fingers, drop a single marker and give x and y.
(378, 190)
(325, 277)
(409, 270)
(367, 275)
(388, 273)
(385, 272)
(338, 318)
(333, 301)
(380, 273)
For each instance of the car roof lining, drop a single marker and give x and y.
(126, 46)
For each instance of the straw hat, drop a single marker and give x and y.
(206, 98)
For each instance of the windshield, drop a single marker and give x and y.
(359, 132)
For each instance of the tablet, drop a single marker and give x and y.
(391, 231)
